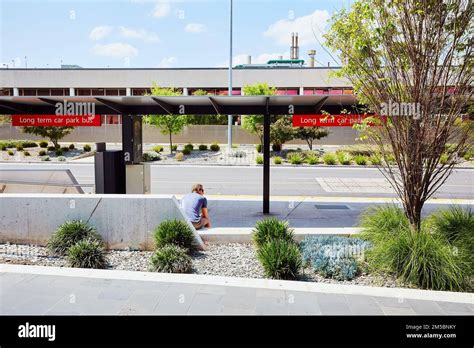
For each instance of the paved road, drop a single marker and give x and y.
(289, 181)
(48, 294)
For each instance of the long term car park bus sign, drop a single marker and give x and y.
(330, 120)
(56, 121)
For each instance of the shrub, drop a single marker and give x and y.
(381, 222)
(295, 158)
(343, 158)
(43, 144)
(61, 159)
(215, 147)
(390, 158)
(202, 147)
(174, 147)
(375, 160)
(277, 160)
(158, 148)
(360, 160)
(45, 158)
(259, 159)
(174, 232)
(443, 159)
(359, 149)
(269, 229)
(72, 147)
(179, 156)
(151, 156)
(258, 147)
(276, 147)
(450, 148)
(42, 153)
(3, 147)
(186, 151)
(10, 153)
(87, 148)
(51, 148)
(329, 158)
(27, 143)
(19, 147)
(171, 259)
(333, 256)
(87, 253)
(26, 153)
(65, 148)
(467, 157)
(189, 146)
(59, 152)
(68, 234)
(312, 159)
(280, 259)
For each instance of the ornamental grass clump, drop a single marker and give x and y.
(171, 259)
(333, 256)
(87, 253)
(68, 234)
(175, 232)
(281, 259)
(329, 158)
(343, 158)
(269, 229)
(294, 158)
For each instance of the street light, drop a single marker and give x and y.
(229, 117)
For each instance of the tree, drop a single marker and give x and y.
(5, 119)
(415, 55)
(168, 124)
(310, 134)
(207, 119)
(281, 131)
(54, 134)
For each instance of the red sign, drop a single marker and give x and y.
(56, 121)
(330, 120)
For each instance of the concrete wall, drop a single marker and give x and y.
(122, 221)
(192, 134)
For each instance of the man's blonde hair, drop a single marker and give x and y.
(196, 188)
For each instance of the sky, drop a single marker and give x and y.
(159, 33)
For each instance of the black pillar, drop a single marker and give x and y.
(132, 138)
(266, 163)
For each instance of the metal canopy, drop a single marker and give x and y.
(191, 105)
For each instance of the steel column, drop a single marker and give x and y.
(266, 163)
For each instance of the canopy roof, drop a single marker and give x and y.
(195, 105)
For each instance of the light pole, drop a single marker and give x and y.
(229, 117)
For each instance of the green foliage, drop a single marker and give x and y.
(59, 152)
(375, 160)
(174, 147)
(329, 158)
(3, 147)
(276, 147)
(360, 160)
(45, 159)
(295, 158)
(258, 147)
(179, 156)
(202, 147)
(343, 158)
(51, 148)
(69, 234)
(26, 153)
(443, 159)
(71, 146)
(65, 148)
(43, 144)
(259, 159)
(171, 259)
(281, 131)
(215, 147)
(174, 232)
(380, 222)
(19, 147)
(312, 158)
(280, 259)
(271, 229)
(87, 253)
(61, 159)
(310, 134)
(87, 148)
(54, 134)
(189, 146)
(157, 148)
(10, 153)
(186, 151)
(277, 160)
(13, 143)
(151, 156)
(42, 153)
(359, 149)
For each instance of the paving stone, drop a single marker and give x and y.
(212, 289)
(333, 304)
(267, 293)
(36, 305)
(206, 304)
(302, 303)
(398, 302)
(398, 310)
(426, 307)
(456, 307)
(271, 306)
(115, 293)
(177, 299)
(363, 305)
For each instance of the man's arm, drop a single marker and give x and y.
(205, 213)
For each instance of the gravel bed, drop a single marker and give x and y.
(231, 260)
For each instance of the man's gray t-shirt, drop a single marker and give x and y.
(192, 204)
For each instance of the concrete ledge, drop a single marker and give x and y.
(221, 235)
(444, 296)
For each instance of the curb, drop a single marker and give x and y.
(270, 284)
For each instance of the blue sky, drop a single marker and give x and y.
(157, 33)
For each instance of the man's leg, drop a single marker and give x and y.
(205, 222)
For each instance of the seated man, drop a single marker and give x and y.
(195, 207)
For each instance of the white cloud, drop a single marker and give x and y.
(100, 32)
(141, 34)
(260, 59)
(162, 9)
(167, 62)
(195, 28)
(115, 50)
(306, 27)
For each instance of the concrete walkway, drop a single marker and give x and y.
(35, 290)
